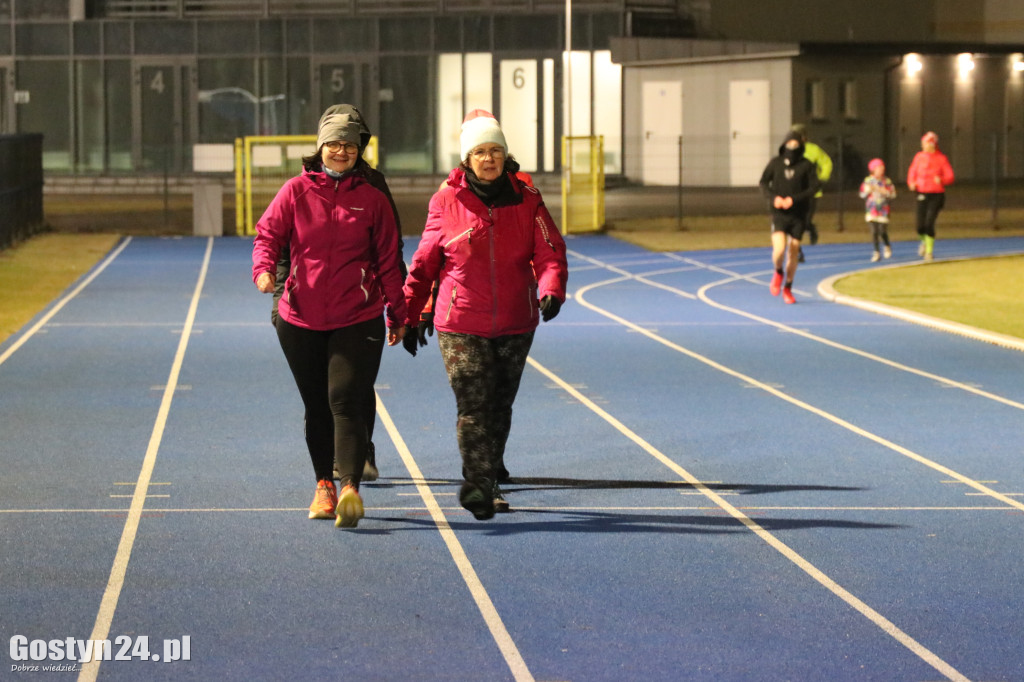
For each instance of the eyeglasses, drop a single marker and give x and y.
(495, 153)
(335, 147)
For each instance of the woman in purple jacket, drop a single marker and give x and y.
(501, 264)
(344, 273)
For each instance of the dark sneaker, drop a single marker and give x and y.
(370, 472)
(500, 503)
(477, 499)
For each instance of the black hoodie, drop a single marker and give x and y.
(790, 175)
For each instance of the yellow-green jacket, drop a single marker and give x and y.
(822, 163)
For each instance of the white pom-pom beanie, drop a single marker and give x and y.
(479, 127)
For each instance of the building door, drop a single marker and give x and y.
(164, 116)
(519, 111)
(750, 141)
(338, 81)
(1012, 152)
(663, 131)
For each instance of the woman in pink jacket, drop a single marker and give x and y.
(344, 274)
(929, 174)
(501, 263)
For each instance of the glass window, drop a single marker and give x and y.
(163, 37)
(606, 27)
(273, 98)
(302, 119)
(404, 35)
(41, 9)
(228, 105)
(529, 33)
(5, 39)
(271, 36)
(344, 35)
(226, 37)
(46, 112)
(87, 38)
(848, 99)
(118, 111)
(476, 34)
(405, 130)
(447, 34)
(90, 142)
(117, 38)
(42, 39)
(815, 95)
(297, 36)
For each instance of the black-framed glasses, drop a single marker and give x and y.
(335, 147)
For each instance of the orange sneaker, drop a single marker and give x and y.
(325, 500)
(776, 284)
(787, 296)
(349, 509)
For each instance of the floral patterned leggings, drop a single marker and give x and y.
(484, 375)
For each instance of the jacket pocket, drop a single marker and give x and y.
(466, 235)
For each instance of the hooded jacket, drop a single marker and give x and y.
(790, 175)
(344, 252)
(493, 262)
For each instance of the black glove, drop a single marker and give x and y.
(409, 341)
(425, 327)
(549, 307)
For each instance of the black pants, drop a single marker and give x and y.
(928, 207)
(879, 233)
(334, 371)
(484, 375)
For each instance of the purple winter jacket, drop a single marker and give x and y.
(344, 252)
(494, 263)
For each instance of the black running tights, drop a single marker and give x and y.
(334, 371)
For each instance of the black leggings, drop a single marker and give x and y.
(879, 233)
(334, 371)
(484, 375)
(928, 207)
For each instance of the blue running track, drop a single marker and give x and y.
(708, 485)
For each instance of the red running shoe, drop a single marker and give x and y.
(324, 501)
(787, 296)
(776, 284)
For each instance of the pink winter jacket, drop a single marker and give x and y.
(344, 252)
(494, 263)
(929, 173)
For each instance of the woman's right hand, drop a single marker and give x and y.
(265, 282)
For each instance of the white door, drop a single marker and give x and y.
(518, 92)
(750, 144)
(663, 130)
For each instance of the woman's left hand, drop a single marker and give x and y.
(395, 335)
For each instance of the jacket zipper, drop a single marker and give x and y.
(451, 304)
(468, 234)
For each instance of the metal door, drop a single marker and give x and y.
(346, 81)
(519, 110)
(164, 115)
(663, 129)
(750, 144)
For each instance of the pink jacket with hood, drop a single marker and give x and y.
(494, 263)
(344, 252)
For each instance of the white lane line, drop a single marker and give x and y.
(60, 304)
(735, 276)
(508, 648)
(291, 510)
(875, 617)
(115, 582)
(839, 421)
